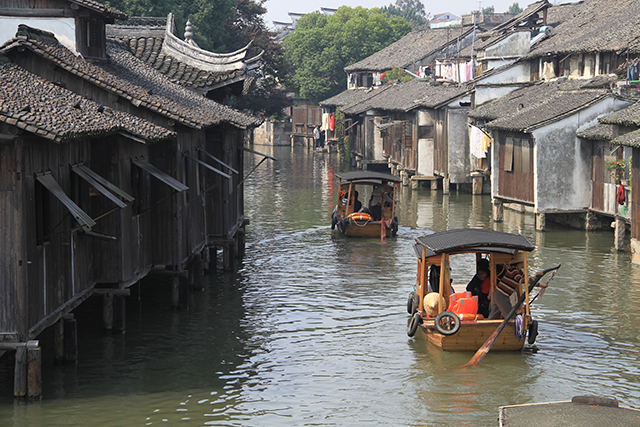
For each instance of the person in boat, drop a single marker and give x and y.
(434, 281)
(506, 291)
(480, 286)
(378, 197)
(357, 204)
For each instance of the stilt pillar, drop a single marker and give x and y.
(34, 370)
(213, 259)
(434, 184)
(477, 181)
(415, 184)
(180, 291)
(20, 372)
(119, 314)
(498, 210)
(621, 228)
(541, 221)
(405, 178)
(58, 341)
(107, 311)
(196, 274)
(445, 185)
(229, 255)
(70, 338)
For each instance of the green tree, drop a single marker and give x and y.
(489, 9)
(322, 46)
(515, 8)
(411, 11)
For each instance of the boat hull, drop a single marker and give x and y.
(472, 335)
(368, 229)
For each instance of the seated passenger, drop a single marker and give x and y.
(357, 204)
(480, 285)
(378, 196)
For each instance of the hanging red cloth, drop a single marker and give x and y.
(332, 122)
(620, 197)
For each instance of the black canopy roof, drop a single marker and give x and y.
(471, 238)
(367, 175)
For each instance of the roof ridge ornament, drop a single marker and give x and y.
(188, 32)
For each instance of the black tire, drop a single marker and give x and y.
(416, 320)
(412, 303)
(334, 221)
(394, 226)
(342, 224)
(533, 332)
(447, 323)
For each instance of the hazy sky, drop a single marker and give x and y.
(278, 10)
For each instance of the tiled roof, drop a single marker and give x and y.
(548, 109)
(346, 97)
(128, 77)
(407, 96)
(99, 7)
(410, 49)
(631, 139)
(595, 26)
(629, 116)
(535, 94)
(599, 132)
(534, 10)
(182, 62)
(49, 111)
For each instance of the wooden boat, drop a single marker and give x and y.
(449, 324)
(378, 217)
(580, 411)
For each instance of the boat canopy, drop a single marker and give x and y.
(368, 176)
(470, 240)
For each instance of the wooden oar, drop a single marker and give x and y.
(482, 351)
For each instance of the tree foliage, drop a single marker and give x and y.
(489, 9)
(411, 11)
(515, 8)
(322, 46)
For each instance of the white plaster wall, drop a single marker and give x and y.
(377, 140)
(63, 28)
(517, 44)
(458, 142)
(425, 146)
(519, 73)
(562, 161)
(489, 93)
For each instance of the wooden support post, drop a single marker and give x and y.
(213, 259)
(107, 311)
(498, 210)
(541, 221)
(58, 341)
(621, 228)
(229, 255)
(70, 339)
(20, 372)
(119, 314)
(206, 260)
(34, 370)
(445, 185)
(175, 291)
(241, 236)
(196, 274)
(477, 181)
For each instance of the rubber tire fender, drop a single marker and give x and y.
(342, 225)
(412, 303)
(416, 320)
(447, 323)
(334, 220)
(533, 332)
(394, 226)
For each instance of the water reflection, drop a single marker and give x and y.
(312, 329)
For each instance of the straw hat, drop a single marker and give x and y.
(431, 303)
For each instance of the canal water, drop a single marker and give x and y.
(311, 330)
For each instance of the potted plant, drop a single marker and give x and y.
(617, 169)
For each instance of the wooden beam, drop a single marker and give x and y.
(34, 13)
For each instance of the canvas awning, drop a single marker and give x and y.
(107, 189)
(214, 158)
(208, 166)
(157, 173)
(49, 182)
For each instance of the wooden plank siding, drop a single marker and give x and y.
(603, 186)
(516, 167)
(635, 186)
(440, 143)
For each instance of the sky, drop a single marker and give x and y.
(278, 10)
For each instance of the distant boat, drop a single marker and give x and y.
(378, 217)
(580, 411)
